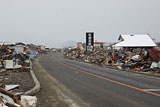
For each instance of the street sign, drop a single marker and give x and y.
(89, 41)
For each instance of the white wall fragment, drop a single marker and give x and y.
(29, 101)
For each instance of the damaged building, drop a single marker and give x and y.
(135, 41)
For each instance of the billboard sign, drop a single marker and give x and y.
(89, 41)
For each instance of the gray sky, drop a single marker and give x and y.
(52, 22)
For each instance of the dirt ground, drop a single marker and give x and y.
(24, 79)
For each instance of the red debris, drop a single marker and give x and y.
(155, 54)
(115, 58)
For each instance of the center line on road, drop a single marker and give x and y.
(107, 79)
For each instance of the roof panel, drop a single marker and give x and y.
(136, 41)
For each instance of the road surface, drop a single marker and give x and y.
(103, 87)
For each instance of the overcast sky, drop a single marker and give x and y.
(52, 22)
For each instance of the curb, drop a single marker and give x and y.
(36, 88)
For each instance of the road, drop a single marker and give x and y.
(103, 87)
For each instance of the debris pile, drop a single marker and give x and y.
(15, 78)
(8, 99)
(137, 59)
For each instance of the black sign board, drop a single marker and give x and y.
(89, 41)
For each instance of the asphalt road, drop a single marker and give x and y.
(103, 87)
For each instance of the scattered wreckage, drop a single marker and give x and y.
(15, 65)
(138, 59)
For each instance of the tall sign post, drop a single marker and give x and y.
(89, 41)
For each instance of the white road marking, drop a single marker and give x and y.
(152, 89)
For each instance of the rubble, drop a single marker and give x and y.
(9, 100)
(29, 101)
(137, 59)
(10, 87)
(159, 64)
(15, 65)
